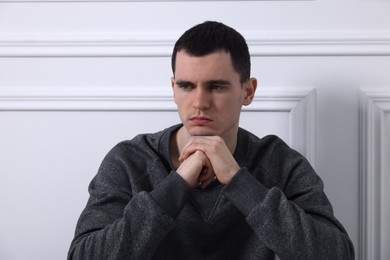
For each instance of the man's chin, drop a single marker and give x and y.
(201, 131)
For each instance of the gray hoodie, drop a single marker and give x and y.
(140, 208)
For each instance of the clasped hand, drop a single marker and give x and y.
(205, 157)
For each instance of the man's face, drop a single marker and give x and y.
(209, 94)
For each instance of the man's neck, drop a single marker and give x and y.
(182, 136)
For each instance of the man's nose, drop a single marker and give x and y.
(201, 99)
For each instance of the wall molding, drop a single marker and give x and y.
(298, 102)
(374, 106)
(160, 44)
(65, 1)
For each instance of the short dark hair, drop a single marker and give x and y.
(210, 36)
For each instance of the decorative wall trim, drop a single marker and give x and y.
(374, 105)
(301, 106)
(160, 44)
(64, 1)
(298, 102)
(85, 99)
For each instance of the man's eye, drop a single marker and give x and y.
(217, 87)
(185, 86)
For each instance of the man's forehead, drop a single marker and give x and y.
(218, 59)
(216, 66)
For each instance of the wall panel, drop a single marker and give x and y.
(375, 198)
(151, 43)
(54, 140)
(79, 76)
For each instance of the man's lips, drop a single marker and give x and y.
(200, 120)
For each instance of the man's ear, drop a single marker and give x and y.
(173, 81)
(250, 87)
(173, 87)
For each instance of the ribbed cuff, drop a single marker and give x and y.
(172, 194)
(245, 191)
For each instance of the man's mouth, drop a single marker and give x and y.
(200, 120)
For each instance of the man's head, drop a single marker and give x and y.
(209, 84)
(210, 37)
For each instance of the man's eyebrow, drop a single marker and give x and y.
(218, 82)
(209, 82)
(183, 82)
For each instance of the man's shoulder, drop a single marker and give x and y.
(267, 140)
(269, 147)
(150, 140)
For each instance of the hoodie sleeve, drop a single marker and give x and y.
(291, 214)
(119, 223)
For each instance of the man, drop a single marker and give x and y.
(207, 189)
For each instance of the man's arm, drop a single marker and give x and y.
(301, 226)
(119, 223)
(296, 222)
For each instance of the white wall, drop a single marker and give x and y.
(77, 77)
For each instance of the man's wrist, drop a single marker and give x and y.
(245, 191)
(172, 194)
